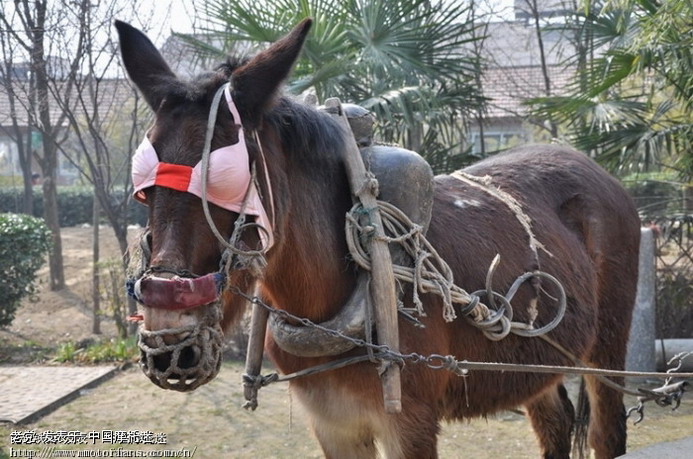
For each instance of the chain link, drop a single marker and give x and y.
(669, 394)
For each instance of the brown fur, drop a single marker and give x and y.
(579, 213)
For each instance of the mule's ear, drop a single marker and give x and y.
(144, 64)
(256, 83)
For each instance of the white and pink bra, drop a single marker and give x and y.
(228, 179)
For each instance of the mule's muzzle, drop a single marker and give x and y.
(182, 357)
(188, 362)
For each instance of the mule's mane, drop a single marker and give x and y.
(312, 138)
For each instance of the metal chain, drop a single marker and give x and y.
(670, 394)
(438, 361)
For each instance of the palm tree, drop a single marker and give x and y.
(632, 96)
(408, 62)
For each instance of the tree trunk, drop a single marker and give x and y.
(49, 160)
(96, 287)
(50, 214)
(24, 153)
(553, 128)
(121, 232)
(122, 236)
(415, 134)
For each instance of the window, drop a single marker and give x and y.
(494, 140)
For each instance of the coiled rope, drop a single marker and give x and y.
(431, 274)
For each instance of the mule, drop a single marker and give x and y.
(582, 216)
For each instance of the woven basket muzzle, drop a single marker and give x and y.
(191, 362)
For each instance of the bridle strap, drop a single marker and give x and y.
(268, 183)
(229, 246)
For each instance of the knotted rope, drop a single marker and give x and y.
(190, 362)
(431, 274)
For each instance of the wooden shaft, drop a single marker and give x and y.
(256, 346)
(383, 280)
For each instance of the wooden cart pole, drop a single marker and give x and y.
(383, 279)
(253, 359)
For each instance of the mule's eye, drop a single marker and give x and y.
(144, 195)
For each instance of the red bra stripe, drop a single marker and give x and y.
(174, 176)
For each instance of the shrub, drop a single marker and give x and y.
(24, 243)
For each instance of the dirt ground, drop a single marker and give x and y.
(52, 318)
(210, 420)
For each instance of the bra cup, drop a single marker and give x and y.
(228, 175)
(228, 178)
(145, 163)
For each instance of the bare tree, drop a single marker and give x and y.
(105, 117)
(35, 30)
(524, 60)
(535, 13)
(106, 120)
(76, 97)
(479, 29)
(11, 73)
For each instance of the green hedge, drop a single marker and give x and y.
(24, 243)
(75, 205)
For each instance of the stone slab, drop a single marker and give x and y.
(671, 449)
(29, 392)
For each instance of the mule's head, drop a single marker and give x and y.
(181, 334)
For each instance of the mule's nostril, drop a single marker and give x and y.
(162, 361)
(189, 357)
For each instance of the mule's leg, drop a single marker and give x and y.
(552, 416)
(413, 434)
(343, 442)
(607, 425)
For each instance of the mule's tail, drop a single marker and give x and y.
(582, 421)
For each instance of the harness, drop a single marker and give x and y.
(185, 290)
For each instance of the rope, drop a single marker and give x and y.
(253, 257)
(484, 184)
(431, 274)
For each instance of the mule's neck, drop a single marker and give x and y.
(308, 272)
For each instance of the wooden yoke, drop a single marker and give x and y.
(383, 278)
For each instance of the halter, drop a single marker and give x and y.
(250, 192)
(185, 290)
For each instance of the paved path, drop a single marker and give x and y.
(679, 449)
(29, 392)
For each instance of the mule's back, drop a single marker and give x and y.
(583, 216)
(586, 199)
